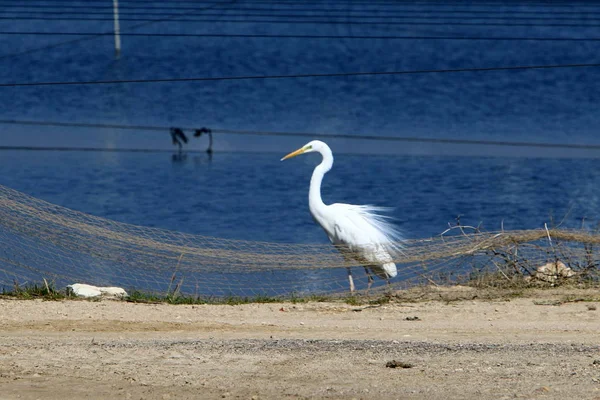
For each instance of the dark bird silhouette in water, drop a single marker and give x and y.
(199, 132)
(177, 135)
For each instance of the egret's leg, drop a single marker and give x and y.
(370, 279)
(350, 280)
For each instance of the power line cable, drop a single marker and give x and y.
(280, 36)
(584, 18)
(329, 22)
(379, 3)
(240, 7)
(86, 38)
(300, 76)
(312, 134)
(92, 149)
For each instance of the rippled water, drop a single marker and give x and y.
(547, 105)
(257, 197)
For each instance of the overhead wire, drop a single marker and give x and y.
(86, 38)
(301, 36)
(302, 134)
(319, 22)
(396, 3)
(301, 76)
(360, 17)
(240, 7)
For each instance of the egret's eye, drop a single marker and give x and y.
(308, 147)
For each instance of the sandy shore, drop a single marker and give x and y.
(534, 347)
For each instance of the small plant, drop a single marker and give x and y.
(317, 298)
(237, 300)
(140, 297)
(385, 299)
(44, 290)
(353, 300)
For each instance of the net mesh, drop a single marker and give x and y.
(40, 240)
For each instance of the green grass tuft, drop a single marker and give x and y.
(45, 290)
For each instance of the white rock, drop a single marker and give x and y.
(113, 291)
(552, 271)
(83, 290)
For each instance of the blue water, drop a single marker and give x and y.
(257, 197)
(550, 105)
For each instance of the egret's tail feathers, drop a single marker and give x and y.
(390, 270)
(385, 271)
(391, 237)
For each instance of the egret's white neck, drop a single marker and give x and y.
(315, 202)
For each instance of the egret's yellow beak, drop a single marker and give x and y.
(293, 154)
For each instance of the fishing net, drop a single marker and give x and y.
(40, 240)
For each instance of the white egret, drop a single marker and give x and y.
(357, 231)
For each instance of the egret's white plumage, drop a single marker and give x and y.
(360, 232)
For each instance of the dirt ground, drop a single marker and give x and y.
(534, 347)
